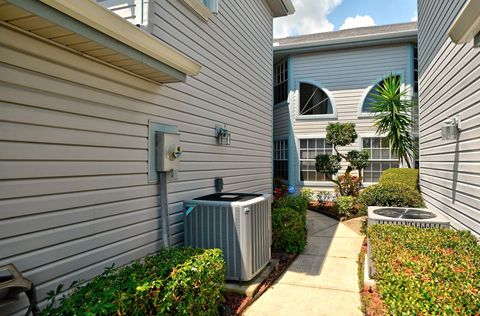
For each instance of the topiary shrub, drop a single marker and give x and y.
(423, 271)
(407, 176)
(339, 135)
(391, 194)
(175, 281)
(289, 230)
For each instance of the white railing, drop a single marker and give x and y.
(134, 11)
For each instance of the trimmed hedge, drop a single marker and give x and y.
(391, 194)
(289, 224)
(407, 176)
(175, 281)
(426, 271)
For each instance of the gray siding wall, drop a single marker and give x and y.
(281, 120)
(73, 141)
(347, 74)
(449, 86)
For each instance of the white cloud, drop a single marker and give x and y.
(415, 16)
(357, 21)
(310, 17)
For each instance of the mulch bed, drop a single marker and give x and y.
(327, 208)
(235, 304)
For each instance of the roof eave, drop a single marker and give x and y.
(351, 41)
(97, 25)
(281, 7)
(467, 23)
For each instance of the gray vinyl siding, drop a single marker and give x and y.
(449, 86)
(75, 197)
(346, 74)
(281, 120)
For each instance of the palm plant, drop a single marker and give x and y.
(392, 107)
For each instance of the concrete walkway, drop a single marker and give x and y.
(321, 281)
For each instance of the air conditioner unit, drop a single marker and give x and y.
(237, 223)
(418, 217)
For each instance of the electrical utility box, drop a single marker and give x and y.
(169, 151)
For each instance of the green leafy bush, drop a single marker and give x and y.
(289, 223)
(349, 206)
(426, 271)
(176, 281)
(289, 230)
(407, 176)
(297, 202)
(307, 194)
(345, 205)
(391, 194)
(342, 134)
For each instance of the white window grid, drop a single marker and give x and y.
(280, 149)
(280, 81)
(415, 69)
(380, 158)
(310, 148)
(281, 73)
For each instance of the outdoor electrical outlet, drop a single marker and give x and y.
(173, 175)
(218, 184)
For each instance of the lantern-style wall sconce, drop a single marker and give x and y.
(450, 128)
(223, 135)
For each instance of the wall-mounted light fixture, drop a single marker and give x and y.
(450, 128)
(223, 135)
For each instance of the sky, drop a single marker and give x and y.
(314, 16)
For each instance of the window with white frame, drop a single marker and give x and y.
(309, 150)
(212, 5)
(314, 100)
(280, 159)
(415, 69)
(280, 82)
(380, 159)
(367, 106)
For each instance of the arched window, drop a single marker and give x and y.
(314, 100)
(367, 105)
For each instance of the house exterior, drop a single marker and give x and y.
(83, 92)
(329, 77)
(449, 66)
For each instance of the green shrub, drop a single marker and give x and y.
(297, 202)
(391, 194)
(289, 233)
(307, 194)
(176, 281)
(345, 205)
(407, 176)
(349, 206)
(426, 271)
(289, 223)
